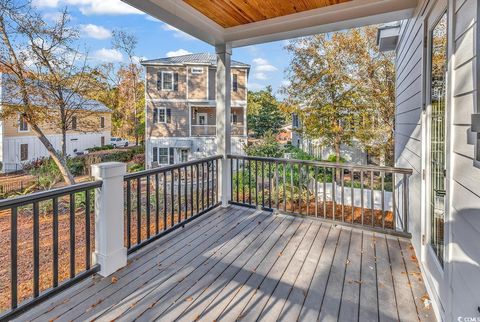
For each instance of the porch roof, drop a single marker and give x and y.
(248, 22)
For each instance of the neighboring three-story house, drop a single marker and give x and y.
(180, 108)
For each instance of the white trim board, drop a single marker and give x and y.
(346, 15)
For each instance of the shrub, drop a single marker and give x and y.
(100, 148)
(266, 147)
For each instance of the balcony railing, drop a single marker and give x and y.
(367, 196)
(50, 244)
(163, 199)
(211, 130)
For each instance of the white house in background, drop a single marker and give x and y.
(19, 145)
(181, 108)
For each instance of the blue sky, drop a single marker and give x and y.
(96, 19)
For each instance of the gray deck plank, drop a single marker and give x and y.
(294, 303)
(260, 297)
(206, 274)
(351, 286)
(333, 294)
(242, 298)
(236, 291)
(311, 306)
(198, 299)
(133, 296)
(136, 259)
(106, 293)
(368, 288)
(414, 275)
(403, 291)
(387, 305)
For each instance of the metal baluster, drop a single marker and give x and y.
(147, 205)
(72, 235)
(165, 200)
(157, 204)
(316, 189)
(243, 180)
(361, 196)
(197, 168)
(276, 186)
(342, 181)
(300, 190)
(216, 180)
(139, 210)
(291, 187)
(372, 198)
(129, 214)
(352, 188)
(191, 191)
(55, 241)
(263, 184)
(284, 182)
(249, 182)
(308, 189)
(208, 184)
(394, 202)
(172, 197)
(405, 203)
(13, 258)
(231, 178)
(186, 192)
(334, 190)
(36, 250)
(203, 187)
(179, 196)
(325, 192)
(87, 229)
(256, 183)
(270, 185)
(383, 198)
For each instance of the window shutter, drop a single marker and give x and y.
(171, 155)
(159, 81)
(175, 82)
(155, 154)
(169, 115)
(155, 115)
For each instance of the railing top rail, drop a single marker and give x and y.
(348, 166)
(144, 173)
(49, 194)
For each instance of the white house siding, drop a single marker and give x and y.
(80, 142)
(456, 292)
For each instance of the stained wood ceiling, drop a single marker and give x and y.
(231, 13)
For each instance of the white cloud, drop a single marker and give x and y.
(179, 52)
(92, 7)
(45, 3)
(255, 86)
(108, 55)
(261, 68)
(176, 32)
(94, 31)
(53, 16)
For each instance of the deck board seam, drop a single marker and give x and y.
(344, 276)
(391, 275)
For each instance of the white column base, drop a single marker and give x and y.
(112, 262)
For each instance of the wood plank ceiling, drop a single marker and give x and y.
(231, 13)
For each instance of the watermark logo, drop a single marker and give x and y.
(468, 319)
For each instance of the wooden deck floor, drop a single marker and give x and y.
(238, 263)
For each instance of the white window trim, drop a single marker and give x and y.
(158, 115)
(197, 70)
(22, 131)
(163, 82)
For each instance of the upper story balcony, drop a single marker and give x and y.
(299, 241)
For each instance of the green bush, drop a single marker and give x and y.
(101, 148)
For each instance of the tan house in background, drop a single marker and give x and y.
(91, 127)
(180, 108)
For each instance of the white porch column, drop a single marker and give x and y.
(224, 134)
(110, 251)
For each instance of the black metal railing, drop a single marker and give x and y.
(47, 241)
(360, 195)
(160, 200)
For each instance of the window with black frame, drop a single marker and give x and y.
(437, 135)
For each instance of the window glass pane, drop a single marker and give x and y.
(167, 81)
(163, 155)
(23, 126)
(437, 135)
(161, 115)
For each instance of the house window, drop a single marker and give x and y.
(233, 118)
(235, 82)
(196, 70)
(167, 81)
(23, 152)
(102, 141)
(74, 122)
(162, 115)
(437, 168)
(22, 124)
(183, 155)
(295, 121)
(163, 155)
(102, 122)
(202, 119)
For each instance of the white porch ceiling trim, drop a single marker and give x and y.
(346, 15)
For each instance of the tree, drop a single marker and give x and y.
(130, 87)
(321, 90)
(45, 72)
(263, 113)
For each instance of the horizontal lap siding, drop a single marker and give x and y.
(408, 129)
(465, 200)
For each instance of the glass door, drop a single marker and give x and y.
(437, 175)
